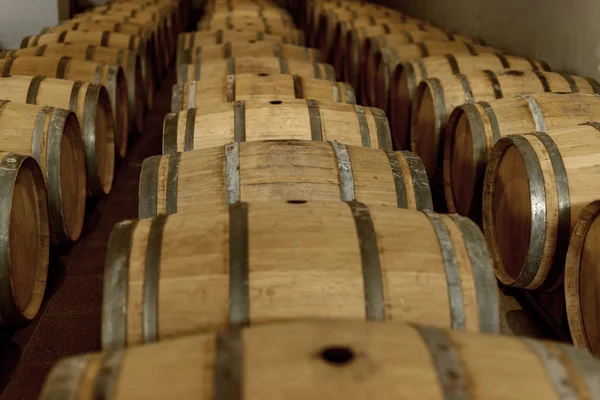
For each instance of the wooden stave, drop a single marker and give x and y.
(342, 92)
(290, 33)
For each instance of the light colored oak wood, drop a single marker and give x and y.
(137, 85)
(308, 267)
(90, 103)
(518, 218)
(407, 76)
(215, 69)
(25, 238)
(279, 170)
(204, 93)
(111, 76)
(287, 32)
(470, 137)
(53, 137)
(276, 119)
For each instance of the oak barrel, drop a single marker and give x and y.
(289, 33)
(25, 238)
(299, 119)
(436, 98)
(408, 75)
(215, 69)
(90, 102)
(111, 76)
(205, 93)
(245, 49)
(234, 13)
(329, 359)
(475, 128)
(581, 280)
(328, 260)
(535, 188)
(51, 136)
(129, 61)
(281, 170)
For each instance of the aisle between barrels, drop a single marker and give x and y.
(70, 319)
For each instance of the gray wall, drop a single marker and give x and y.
(565, 33)
(20, 18)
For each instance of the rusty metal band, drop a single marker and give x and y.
(409, 37)
(556, 371)
(62, 36)
(220, 36)
(329, 72)
(533, 64)
(466, 86)
(336, 91)
(107, 376)
(172, 182)
(455, 295)
(89, 52)
(7, 66)
(543, 81)
(536, 112)
(277, 50)
(401, 195)
(298, 87)
(537, 191)
(231, 66)
(34, 87)
(170, 133)
(148, 198)
(371, 264)
(229, 366)
(420, 181)
(572, 84)
(386, 29)
(545, 66)
(61, 68)
(239, 121)
(191, 100)
(503, 60)
(491, 114)
(131, 45)
(564, 208)
(345, 170)
(232, 172)
(104, 38)
(317, 71)
(453, 64)
(382, 126)
(227, 52)
(491, 75)
(593, 84)
(586, 366)
(422, 49)
(486, 287)
(41, 50)
(230, 88)
(363, 125)
(470, 48)
(190, 129)
(64, 379)
(229, 22)
(283, 66)
(314, 116)
(452, 377)
(116, 283)
(25, 42)
(152, 279)
(239, 297)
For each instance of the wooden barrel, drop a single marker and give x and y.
(218, 69)
(319, 243)
(104, 39)
(379, 69)
(475, 128)
(129, 61)
(244, 49)
(205, 93)
(353, 359)
(273, 16)
(360, 43)
(25, 244)
(271, 13)
(436, 98)
(581, 280)
(90, 102)
(304, 169)
(51, 136)
(408, 75)
(289, 33)
(299, 119)
(535, 187)
(111, 76)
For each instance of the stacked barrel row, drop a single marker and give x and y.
(279, 199)
(504, 140)
(70, 98)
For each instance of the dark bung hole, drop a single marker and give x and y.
(337, 355)
(276, 102)
(297, 201)
(263, 74)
